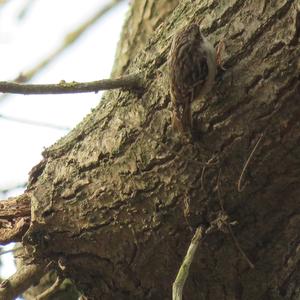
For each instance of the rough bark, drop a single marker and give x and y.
(114, 200)
(14, 218)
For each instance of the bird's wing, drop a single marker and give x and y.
(193, 70)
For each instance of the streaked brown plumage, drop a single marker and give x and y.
(192, 68)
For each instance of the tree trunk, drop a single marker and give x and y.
(116, 201)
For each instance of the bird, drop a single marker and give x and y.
(192, 68)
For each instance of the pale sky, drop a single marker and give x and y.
(24, 43)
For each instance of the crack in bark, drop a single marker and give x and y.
(263, 29)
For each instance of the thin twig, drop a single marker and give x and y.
(51, 290)
(235, 241)
(203, 171)
(239, 188)
(239, 248)
(68, 41)
(33, 123)
(184, 268)
(219, 191)
(132, 81)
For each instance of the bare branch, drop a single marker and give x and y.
(132, 81)
(14, 218)
(51, 290)
(33, 123)
(21, 280)
(69, 40)
(18, 206)
(201, 233)
(184, 268)
(73, 36)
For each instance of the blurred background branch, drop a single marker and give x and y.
(69, 40)
(33, 123)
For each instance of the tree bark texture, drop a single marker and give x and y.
(116, 200)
